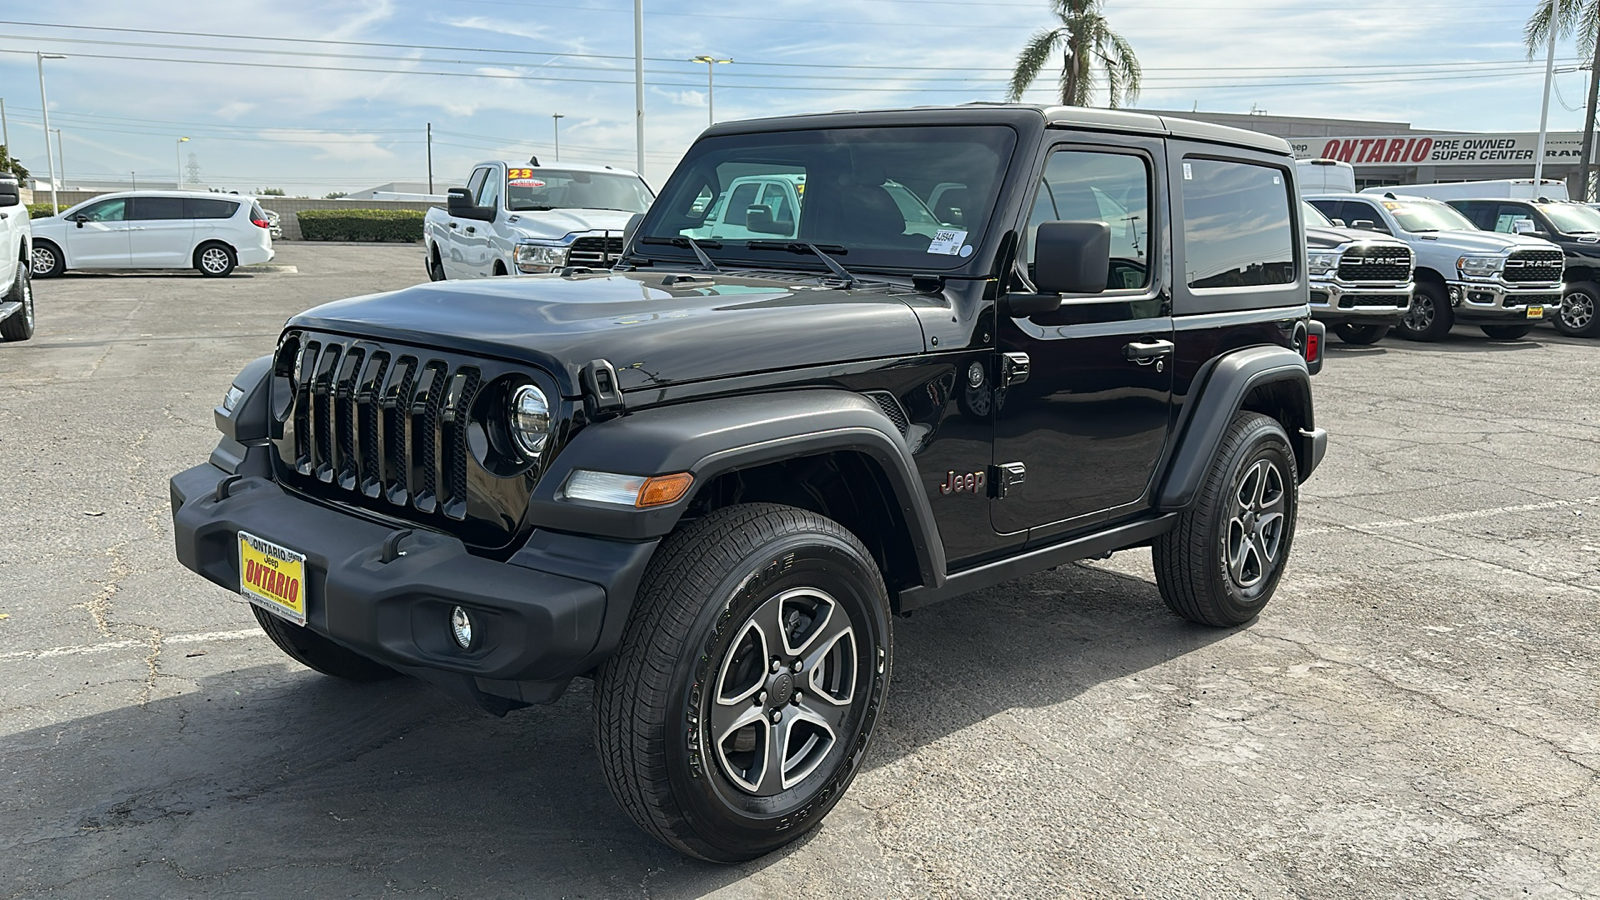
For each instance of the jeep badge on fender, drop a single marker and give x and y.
(637, 475)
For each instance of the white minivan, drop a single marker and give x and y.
(154, 230)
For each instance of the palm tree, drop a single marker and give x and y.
(1087, 43)
(1566, 16)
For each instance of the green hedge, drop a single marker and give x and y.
(361, 225)
(40, 210)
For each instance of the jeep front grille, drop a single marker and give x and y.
(1376, 265)
(597, 250)
(1535, 265)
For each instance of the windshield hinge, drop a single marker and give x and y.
(928, 284)
(602, 395)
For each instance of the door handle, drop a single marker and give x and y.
(452, 224)
(472, 229)
(1146, 352)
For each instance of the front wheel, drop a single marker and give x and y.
(1506, 332)
(1429, 318)
(215, 260)
(316, 652)
(740, 702)
(1352, 333)
(19, 325)
(47, 260)
(1222, 562)
(1576, 316)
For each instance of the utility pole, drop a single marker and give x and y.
(430, 157)
(1587, 150)
(1544, 108)
(638, 80)
(556, 118)
(5, 128)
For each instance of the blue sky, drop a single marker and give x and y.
(289, 113)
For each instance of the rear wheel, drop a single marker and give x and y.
(756, 660)
(1576, 317)
(47, 259)
(1506, 332)
(1222, 562)
(215, 260)
(19, 325)
(1352, 333)
(314, 651)
(1430, 317)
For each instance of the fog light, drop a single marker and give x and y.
(461, 627)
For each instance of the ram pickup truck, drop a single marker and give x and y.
(711, 476)
(525, 219)
(1575, 228)
(1361, 281)
(1503, 283)
(16, 264)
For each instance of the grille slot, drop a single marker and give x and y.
(1376, 264)
(595, 251)
(891, 408)
(1534, 265)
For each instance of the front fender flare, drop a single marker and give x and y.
(710, 437)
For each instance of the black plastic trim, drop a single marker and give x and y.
(250, 419)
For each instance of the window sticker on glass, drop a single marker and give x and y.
(947, 242)
(1188, 172)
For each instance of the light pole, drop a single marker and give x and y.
(44, 106)
(62, 153)
(638, 81)
(711, 97)
(177, 157)
(1544, 109)
(556, 119)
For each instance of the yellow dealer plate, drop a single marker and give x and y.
(1535, 312)
(273, 577)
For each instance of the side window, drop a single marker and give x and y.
(489, 194)
(105, 211)
(1236, 226)
(1513, 219)
(1087, 186)
(1333, 209)
(200, 208)
(744, 197)
(475, 183)
(156, 208)
(1359, 211)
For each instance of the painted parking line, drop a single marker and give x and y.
(1465, 515)
(88, 649)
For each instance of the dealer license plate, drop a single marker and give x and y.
(1535, 312)
(273, 577)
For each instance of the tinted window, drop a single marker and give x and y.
(104, 211)
(475, 183)
(1080, 186)
(157, 208)
(1236, 225)
(1572, 218)
(489, 194)
(201, 208)
(1511, 219)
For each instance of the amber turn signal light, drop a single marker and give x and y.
(664, 489)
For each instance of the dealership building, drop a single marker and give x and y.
(1395, 153)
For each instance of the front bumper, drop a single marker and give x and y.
(538, 628)
(1335, 301)
(1497, 302)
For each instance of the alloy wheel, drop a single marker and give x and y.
(1419, 317)
(1252, 542)
(43, 261)
(214, 260)
(783, 692)
(1577, 310)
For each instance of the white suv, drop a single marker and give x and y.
(154, 230)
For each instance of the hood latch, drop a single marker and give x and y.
(602, 395)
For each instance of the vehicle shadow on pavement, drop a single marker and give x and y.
(276, 781)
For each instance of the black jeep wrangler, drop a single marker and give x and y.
(973, 344)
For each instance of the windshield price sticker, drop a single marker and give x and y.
(525, 182)
(947, 242)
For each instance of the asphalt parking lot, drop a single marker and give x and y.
(1417, 714)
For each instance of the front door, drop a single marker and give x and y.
(1089, 423)
(159, 236)
(100, 239)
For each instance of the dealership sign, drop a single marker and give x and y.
(1441, 149)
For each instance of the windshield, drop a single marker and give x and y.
(1570, 218)
(1314, 216)
(534, 189)
(1427, 215)
(916, 197)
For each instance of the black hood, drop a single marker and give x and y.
(711, 327)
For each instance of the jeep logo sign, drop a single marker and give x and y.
(969, 483)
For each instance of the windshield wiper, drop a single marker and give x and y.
(692, 244)
(805, 247)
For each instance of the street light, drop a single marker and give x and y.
(711, 97)
(556, 119)
(44, 105)
(177, 155)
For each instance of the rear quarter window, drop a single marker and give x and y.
(1236, 224)
(202, 208)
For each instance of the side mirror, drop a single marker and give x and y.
(1337, 223)
(458, 202)
(80, 218)
(1364, 225)
(1072, 257)
(10, 194)
(759, 219)
(629, 230)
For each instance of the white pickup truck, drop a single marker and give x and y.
(524, 219)
(16, 272)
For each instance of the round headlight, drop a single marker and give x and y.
(530, 419)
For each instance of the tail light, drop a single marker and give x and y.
(1311, 345)
(260, 222)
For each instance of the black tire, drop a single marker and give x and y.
(1203, 566)
(1430, 317)
(1352, 333)
(695, 651)
(316, 652)
(19, 325)
(1506, 332)
(47, 260)
(1576, 317)
(214, 259)
(435, 266)
(498, 270)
